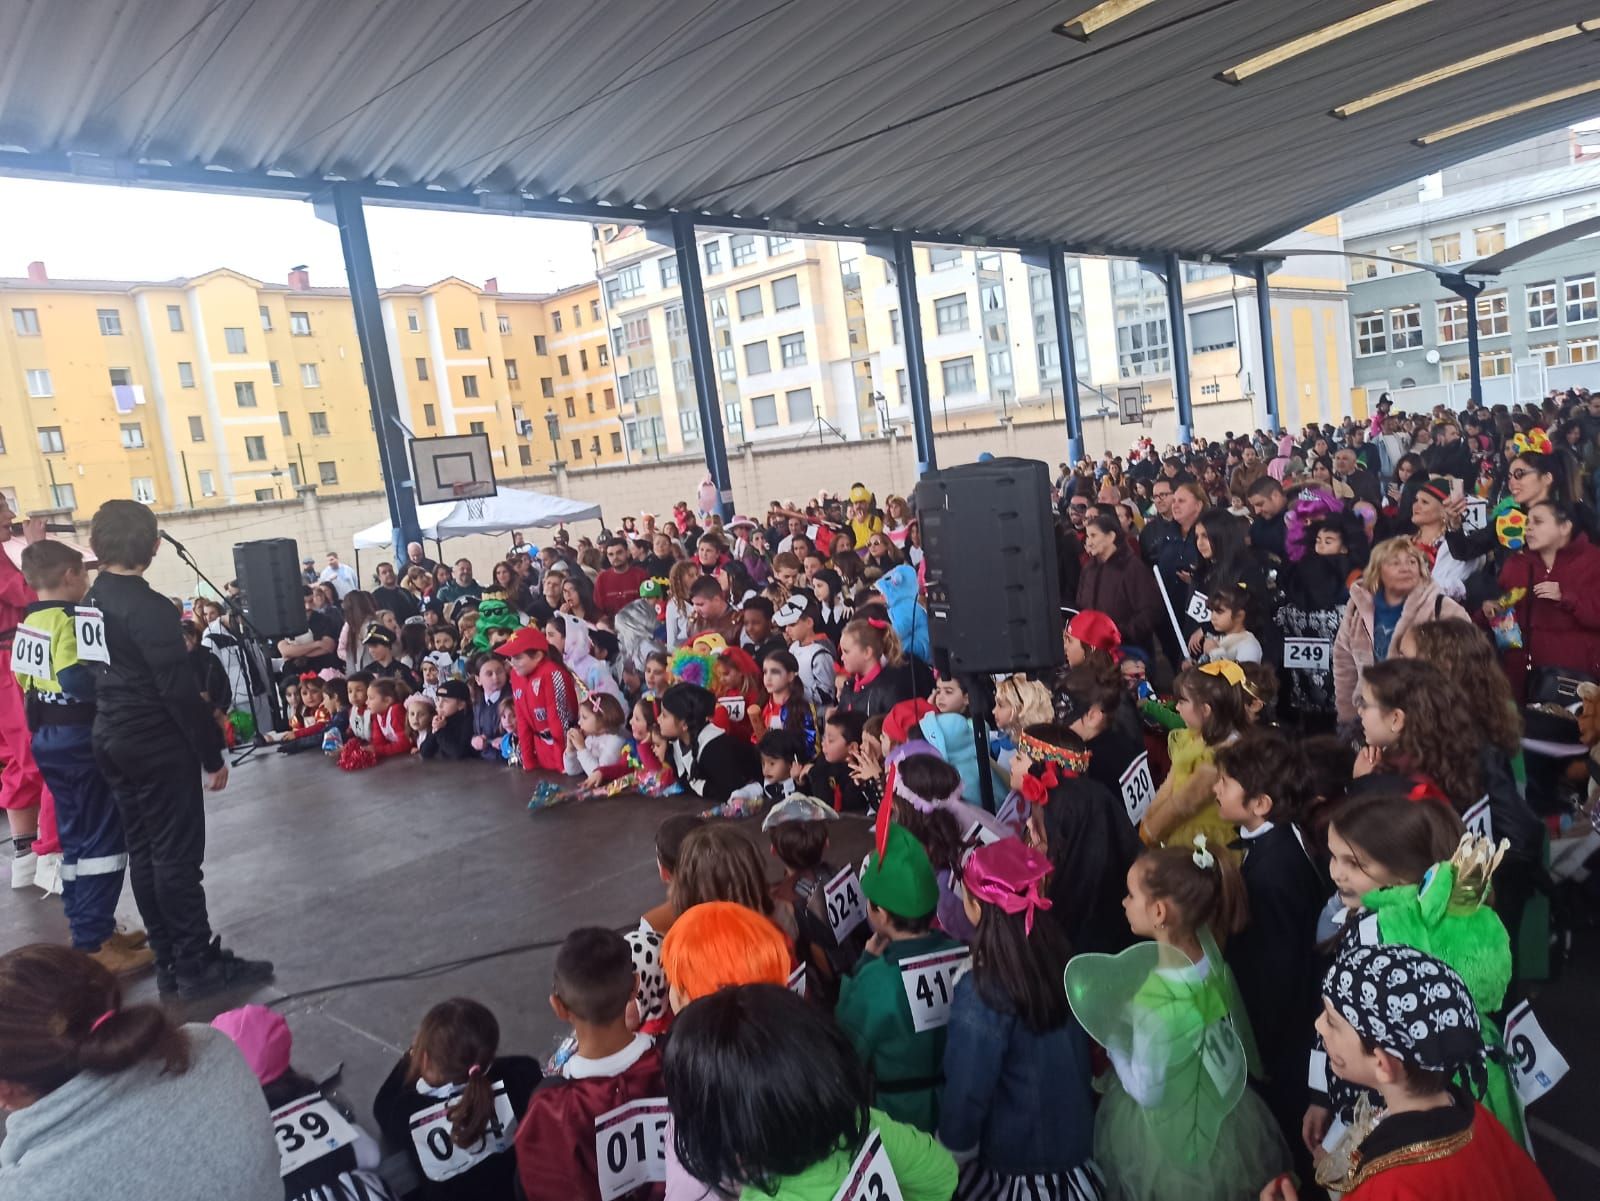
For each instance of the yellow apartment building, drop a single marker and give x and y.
(223, 389)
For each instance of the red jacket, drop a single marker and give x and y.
(1482, 1163)
(1563, 633)
(613, 589)
(547, 707)
(389, 733)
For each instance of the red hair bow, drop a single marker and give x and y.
(1036, 785)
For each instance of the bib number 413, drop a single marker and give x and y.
(930, 984)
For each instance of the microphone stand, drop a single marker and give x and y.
(247, 659)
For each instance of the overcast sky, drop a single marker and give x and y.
(100, 232)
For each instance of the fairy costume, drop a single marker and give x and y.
(1177, 1119)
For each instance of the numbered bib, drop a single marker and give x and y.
(437, 1152)
(90, 625)
(733, 705)
(1199, 609)
(1477, 515)
(871, 1176)
(979, 835)
(1478, 820)
(630, 1147)
(1536, 1066)
(846, 910)
(1307, 654)
(930, 984)
(797, 981)
(307, 1129)
(30, 654)
(1222, 1054)
(1138, 788)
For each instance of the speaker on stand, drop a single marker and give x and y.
(273, 608)
(994, 598)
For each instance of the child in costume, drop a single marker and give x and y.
(420, 715)
(390, 735)
(493, 614)
(799, 619)
(1177, 1120)
(778, 752)
(360, 715)
(1233, 639)
(787, 707)
(736, 681)
(450, 734)
(900, 588)
(1018, 703)
(505, 746)
(1017, 1110)
(1210, 702)
(798, 830)
(597, 741)
(546, 698)
(490, 672)
(1428, 1138)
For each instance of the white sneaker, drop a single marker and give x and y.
(47, 876)
(23, 869)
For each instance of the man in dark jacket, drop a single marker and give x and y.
(1268, 501)
(1449, 455)
(1160, 528)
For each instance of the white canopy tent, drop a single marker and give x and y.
(509, 509)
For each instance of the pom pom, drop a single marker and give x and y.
(354, 756)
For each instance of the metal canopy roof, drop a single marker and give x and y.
(952, 118)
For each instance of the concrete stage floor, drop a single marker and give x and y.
(340, 876)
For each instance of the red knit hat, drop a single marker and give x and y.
(901, 721)
(1094, 628)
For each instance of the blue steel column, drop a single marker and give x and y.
(905, 274)
(1059, 296)
(1468, 291)
(1179, 335)
(693, 291)
(393, 456)
(1269, 357)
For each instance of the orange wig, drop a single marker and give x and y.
(718, 944)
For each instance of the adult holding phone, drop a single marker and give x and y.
(153, 739)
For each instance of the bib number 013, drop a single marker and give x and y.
(630, 1147)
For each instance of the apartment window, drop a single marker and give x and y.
(39, 383)
(561, 364)
(233, 339)
(110, 322)
(464, 337)
(197, 429)
(1496, 362)
(1583, 350)
(1452, 320)
(792, 349)
(540, 346)
(25, 322)
(264, 494)
(959, 375)
(749, 303)
(942, 258)
(602, 355)
(1493, 315)
(778, 243)
(1542, 310)
(1532, 226)
(689, 423)
(1401, 250)
(950, 314)
(1580, 299)
(645, 381)
(1577, 213)
(903, 385)
(255, 448)
(208, 483)
(1143, 347)
(572, 406)
(625, 285)
(895, 332)
(469, 387)
(412, 323)
(319, 424)
(505, 324)
(328, 473)
(475, 428)
(511, 370)
(1361, 269)
(1445, 248)
(283, 424)
(1209, 329)
(583, 359)
(429, 417)
(577, 448)
(1548, 353)
(725, 364)
(801, 410)
(610, 398)
(713, 257)
(121, 377)
(132, 435)
(743, 247)
(577, 317)
(63, 496)
(525, 455)
(277, 376)
(757, 358)
(616, 443)
(547, 386)
(422, 368)
(294, 475)
(1488, 239)
(310, 375)
(144, 490)
(244, 394)
(175, 318)
(594, 310)
(1000, 364)
(266, 319)
(1405, 327)
(764, 411)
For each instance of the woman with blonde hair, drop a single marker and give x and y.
(1395, 593)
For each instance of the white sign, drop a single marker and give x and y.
(1307, 654)
(979, 835)
(1476, 516)
(871, 1176)
(797, 981)
(307, 1129)
(91, 629)
(630, 1147)
(1199, 610)
(1138, 788)
(30, 654)
(437, 1151)
(930, 984)
(1536, 1066)
(1478, 820)
(1222, 1054)
(846, 909)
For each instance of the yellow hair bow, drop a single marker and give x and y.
(1227, 669)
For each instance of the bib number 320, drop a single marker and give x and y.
(930, 984)
(871, 1176)
(630, 1147)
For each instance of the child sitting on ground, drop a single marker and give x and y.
(390, 734)
(829, 776)
(787, 707)
(597, 742)
(309, 714)
(799, 619)
(612, 1067)
(420, 715)
(669, 841)
(645, 766)
(450, 733)
(827, 945)
(339, 1164)
(490, 672)
(356, 686)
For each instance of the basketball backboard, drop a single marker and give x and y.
(452, 468)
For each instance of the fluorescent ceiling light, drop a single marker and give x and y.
(1316, 38)
(1514, 110)
(1081, 26)
(1510, 50)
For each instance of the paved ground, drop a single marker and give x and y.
(338, 877)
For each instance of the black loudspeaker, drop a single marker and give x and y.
(268, 571)
(994, 598)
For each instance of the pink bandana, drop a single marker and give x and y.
(1008, 874)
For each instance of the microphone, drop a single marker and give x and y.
(50, 527)
(176, 545)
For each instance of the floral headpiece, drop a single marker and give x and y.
(1051, 765)
(921, 803)
(1008, 875)
(1535, 441)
